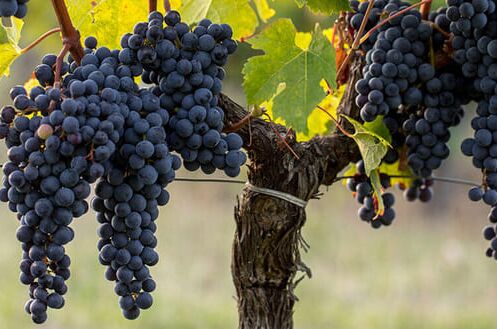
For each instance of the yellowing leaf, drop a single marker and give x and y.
(300, 70)
(372, 146)
(9, 45)
(351, 170)
(319, 122)
(107, 20)
(303, 40)
(328, 33)
(9, 55)
(378, 127)
(237, 13)
(265, 12)
(175, 3)
(30, 84)
(399, 174)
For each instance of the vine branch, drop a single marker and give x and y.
(152, 5)
(357, 42)
(236, 126)
(70, 36)
(447, 35)
(167, 6)
(425, 9)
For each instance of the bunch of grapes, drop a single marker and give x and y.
(361, 186)
(186, 66)
(474, 26)
(17, 8)
(54, 155)
(127, 202)
(422, 101)
(45, 185)
(427, 128)
(490, 234)
(417, 101)
(94, 123)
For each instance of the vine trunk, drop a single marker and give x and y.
(266, 258)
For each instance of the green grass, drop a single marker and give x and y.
(426, 271)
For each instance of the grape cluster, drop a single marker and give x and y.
(186, 66)
(474, 25)
(490, 234)
(427, 128)
(93, 123)
(483, 149)
(57, 152)
(418, 102)
(44, 184)
(361, 186)
(17, 8)
(127, 202)
(395, 65)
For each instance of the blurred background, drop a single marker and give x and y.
(428, 270)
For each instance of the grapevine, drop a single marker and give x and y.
(121, 121)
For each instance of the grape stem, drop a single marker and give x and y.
(425, 9)
(58, 72)
(238, 125)
(152, 5)
(248, 37)
(339, 126)
(256, 112)
(40, 39)
(70, 36)
(58, 64)
(439, 29)
(167, 6)
(385, 21)
(357, 39)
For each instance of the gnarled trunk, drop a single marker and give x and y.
(266, 247)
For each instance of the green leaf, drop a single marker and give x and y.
(436, 4)
(325, 7)
(377, 189)
(107, 20)
(9, 45)
(378, 127)
(372, 146)
(288, 74)
(237, 13)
